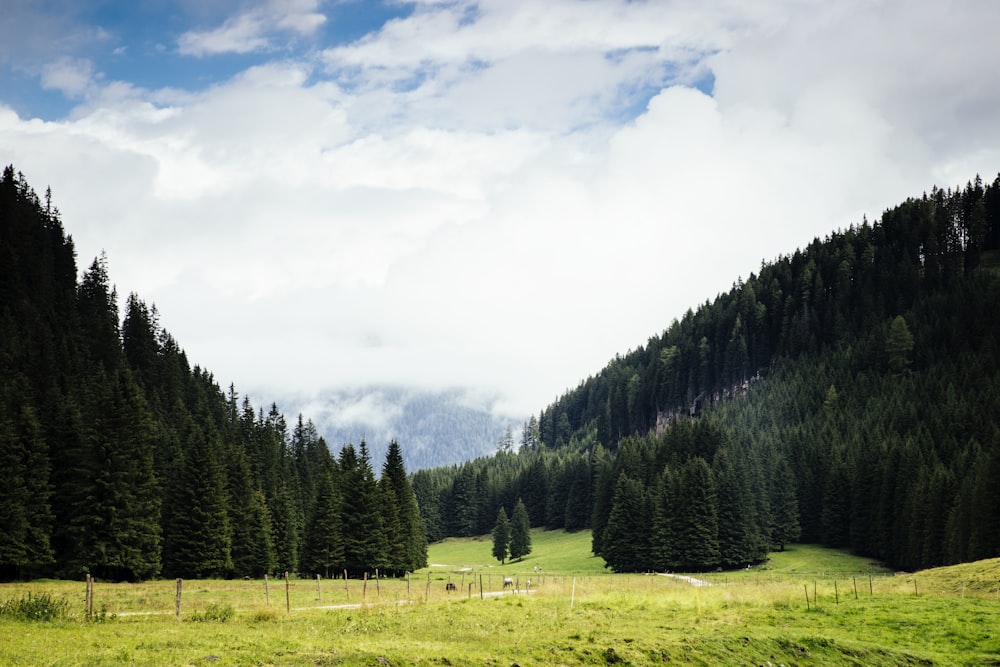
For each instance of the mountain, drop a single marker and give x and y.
(433, 428)
(848, 393)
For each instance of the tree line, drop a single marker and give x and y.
(844, 394)
(122, 461)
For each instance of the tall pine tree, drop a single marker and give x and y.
(520, 533)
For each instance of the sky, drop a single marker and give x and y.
(495, 196)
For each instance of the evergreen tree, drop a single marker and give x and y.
(197, 535)
(579, 500)
(898, 345)
(533, 490)
(520, 535)
(604, 487)
(784, 504)
(428, 491)
(501, 536)
(663, 541)
(25, 510)
(464, 503)
(252, 543)
(407, 541)
(365, 544)
(740, 539)
(697, 538)
(324, 538)
(836, 512)
(110, 510)
(626, 540)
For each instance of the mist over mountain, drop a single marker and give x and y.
(433, 428)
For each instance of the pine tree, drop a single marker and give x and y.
(836, 512)
(109, 514)
(407, 541)
(197, 534)
(252, 543)
(785, 507)
(740, 542)
(324, 551)
(520, 535)
(898, 345)
(501, 536)
(698, 524)
(579, 500)
(464, 503)
(25, 510)
(627, 535)
(662, 544)
(365, 543)
(604, 488)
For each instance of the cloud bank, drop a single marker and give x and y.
(498, 195)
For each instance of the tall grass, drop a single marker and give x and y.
(35, 607)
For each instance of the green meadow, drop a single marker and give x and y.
(805, 606)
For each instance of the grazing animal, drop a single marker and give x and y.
(450, 587)
(508, 582)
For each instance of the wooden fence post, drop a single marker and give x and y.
(319, 593)
(267, 592)
(347, 592)
(89, 603)
(288, 597)
(806, 587)
(177, 601)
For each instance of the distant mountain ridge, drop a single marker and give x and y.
(433, 428)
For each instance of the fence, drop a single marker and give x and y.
(188, 598)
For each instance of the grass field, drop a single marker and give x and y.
(800, 608)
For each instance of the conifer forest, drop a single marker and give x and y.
(845, 394)
(122, 461)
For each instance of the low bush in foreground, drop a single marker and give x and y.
(40, 607)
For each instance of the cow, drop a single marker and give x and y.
(450, 587)
(508, 582)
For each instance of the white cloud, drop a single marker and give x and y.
(462, 205)
(240, 34)
(70, 76)
(253, 30)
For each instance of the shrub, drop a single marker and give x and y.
(215, 612)
(42, 607)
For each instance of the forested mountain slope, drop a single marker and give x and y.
(439, 427)
(121, 460)
(847, 393)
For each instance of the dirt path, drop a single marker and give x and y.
(682, 577)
